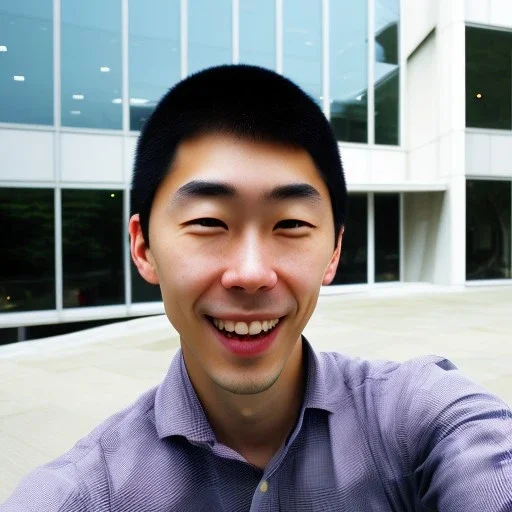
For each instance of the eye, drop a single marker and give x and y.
(292, 224)
(207, 222)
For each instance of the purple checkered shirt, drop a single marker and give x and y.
(371, 436)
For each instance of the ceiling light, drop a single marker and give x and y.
(76, 112)
(78, 96)
(19, 78)
(479, 95)
(3, 48)
(104, 69)
(138, 101)
(117, 101)
(112, 195)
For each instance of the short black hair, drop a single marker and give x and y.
(245, 101)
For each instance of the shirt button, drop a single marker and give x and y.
(264, 486)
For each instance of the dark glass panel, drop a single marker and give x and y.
(488, 229)
(488, 78)
(354, 254)
(92, 247)
(27, 259)
(387, 237)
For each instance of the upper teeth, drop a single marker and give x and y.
(254, 327)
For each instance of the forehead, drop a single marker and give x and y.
(249, 166)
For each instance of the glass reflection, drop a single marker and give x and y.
(352, 268)
(26, 61)
(488, 229)
(387, 237)
(209, 34)
(27, 259)
(387, 17)
(488, 78)
(302, 45)
(257, 21)
(92, 247)
(349, 69)
(154, 53)
(91, 64)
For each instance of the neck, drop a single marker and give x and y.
(257, 425)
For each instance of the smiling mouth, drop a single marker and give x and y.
(244, 330)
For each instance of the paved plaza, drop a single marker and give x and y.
(54, 391)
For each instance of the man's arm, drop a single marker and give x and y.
(459, 440)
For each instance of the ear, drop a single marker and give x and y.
(141, 255)
(330, 271)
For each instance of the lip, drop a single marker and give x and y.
(247, 348)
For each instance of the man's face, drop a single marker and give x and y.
(241, 239)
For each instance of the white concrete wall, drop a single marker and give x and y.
(488, 153)
(419, 18)
(489, 12)
(27, 155)
(422, 218)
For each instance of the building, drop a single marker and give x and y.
(419, 93)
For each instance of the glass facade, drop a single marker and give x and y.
(27, 259)
(353, 266)
(26, 82)
(155, 55)
(91, 64)
(387, 237)
(488, 229)
(92, 247)
(387, 78)
(348, 52)
(210, 39)
(488, 78)
(302, 45)
(257, 28)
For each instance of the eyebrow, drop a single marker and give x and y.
(196, 189)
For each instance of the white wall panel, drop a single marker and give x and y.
(421, 98)
(423, 163)
(500, 13)
(501, 155)
(387, 166)
(91, 158)
(130, 145)
(450, 12)
(478, 154)
(477, 11)
(419, 18)
(452, 154)
(355, 164)
(26, 155)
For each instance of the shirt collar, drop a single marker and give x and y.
(178, 411)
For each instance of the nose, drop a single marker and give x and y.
(249, 266)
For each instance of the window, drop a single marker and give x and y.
(349, 70)
(92, 247)
(387, 237)
(302, 45)
(354, 254)
(26, 61)
(257, 22)
(209, 34)
(154, 53)
(488, 229)
(27, 259)
(387, 82)
(488, 78)
(91, 63)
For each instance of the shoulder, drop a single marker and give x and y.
(79, 479)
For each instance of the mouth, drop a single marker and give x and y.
(245, 331)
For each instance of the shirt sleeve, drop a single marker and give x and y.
(48, 490)
(459, 441)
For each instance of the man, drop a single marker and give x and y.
(240, 207)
